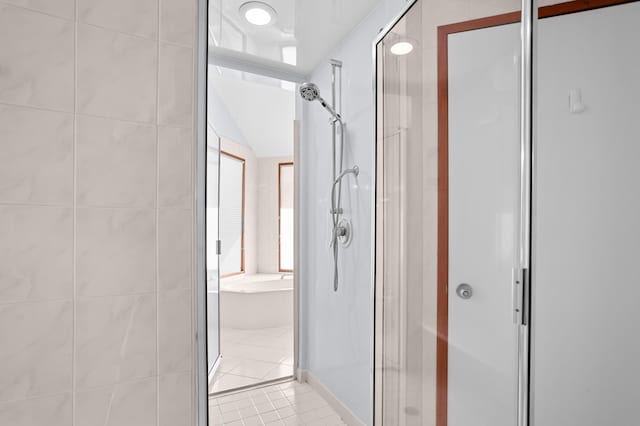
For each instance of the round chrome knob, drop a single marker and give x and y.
(464, 291)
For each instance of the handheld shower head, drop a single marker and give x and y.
(310, 92)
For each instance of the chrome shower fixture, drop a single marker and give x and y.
(341, 230)
(310, 92)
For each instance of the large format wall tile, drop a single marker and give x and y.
(50, 411)
(36, 350)
(174, 249)
(116, 163)
(62, 8)
(125, 404)
(116, 75)
(174, 331)
(116, 251)
(36, 165)
(138, 17)
(115, 339)
(175, 167)
(175, 101)
(36, 57)
(36, 252)
(175, 400)
(177, 21)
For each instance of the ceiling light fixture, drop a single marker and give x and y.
(401, 48)
(258, 13)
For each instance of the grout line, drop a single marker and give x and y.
(74, 345)
(157, 208)
(41, 12)
(97, 207)
(36, 301)
(104, 117)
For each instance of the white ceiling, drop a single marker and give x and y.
(313, 26)
(252, 113)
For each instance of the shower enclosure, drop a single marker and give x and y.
(505, 214)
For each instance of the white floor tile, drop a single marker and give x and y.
(289, 403)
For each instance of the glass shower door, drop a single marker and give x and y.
(447, 215)
(212, 250)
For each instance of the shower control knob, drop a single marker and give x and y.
(464, 291)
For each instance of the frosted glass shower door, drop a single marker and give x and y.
(586, 211)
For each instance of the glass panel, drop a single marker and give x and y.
(448, 151)
(231, 214)
(213, 273)
(285, 198)
(585, 216)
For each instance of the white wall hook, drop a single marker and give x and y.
(576, 106)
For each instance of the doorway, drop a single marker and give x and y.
(251, 196)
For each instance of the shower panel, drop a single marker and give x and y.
(448, 221)
(529, 240)
(341, 231)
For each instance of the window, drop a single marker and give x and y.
(232, 176)
(285, 217)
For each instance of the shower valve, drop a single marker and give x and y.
(341, 231)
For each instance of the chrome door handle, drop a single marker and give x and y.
(464, 291)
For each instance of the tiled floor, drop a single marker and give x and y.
(253, 356)
(290, 403)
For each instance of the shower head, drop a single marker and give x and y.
(310, 92)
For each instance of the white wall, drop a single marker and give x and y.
(337, 328)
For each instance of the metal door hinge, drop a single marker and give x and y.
(218, 247)
(521, 292)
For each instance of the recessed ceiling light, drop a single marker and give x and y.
(258, 13)
(401, 48)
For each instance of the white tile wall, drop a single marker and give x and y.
(53, 410)
(25, 371)
(176, 23)
(138, 17)
(115, 251)
(174, 331)
(176, 85)
(174, 250)
(176, 403)
(62, 8)
(115, 339)
(37, 70)
(116, 163)
(175, 146)
(117, 75)
(36, 252)
(96, 212)
(32, 171)
(125, 404)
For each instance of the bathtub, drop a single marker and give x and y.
(256, 301)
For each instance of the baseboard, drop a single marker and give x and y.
(349, 418)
